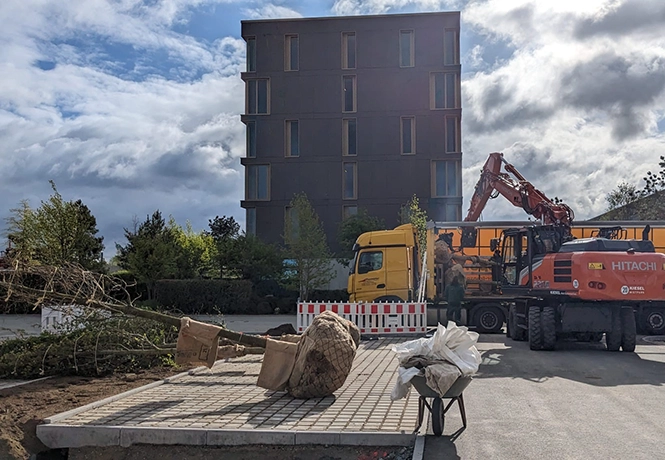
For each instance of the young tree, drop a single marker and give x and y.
(150, 253)
(353, 226)
(224, 231)
(306, 247)
(410, 213)
(56, 233)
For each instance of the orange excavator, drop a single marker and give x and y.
(560, 286)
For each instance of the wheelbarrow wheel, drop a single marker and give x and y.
(438, 417)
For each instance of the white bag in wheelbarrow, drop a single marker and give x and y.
(457, 345)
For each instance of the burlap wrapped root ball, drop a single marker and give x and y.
(325, 355)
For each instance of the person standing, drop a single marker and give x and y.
(454, 295)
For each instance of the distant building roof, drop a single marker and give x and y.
(651, 207)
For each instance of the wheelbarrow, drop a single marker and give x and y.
(436, 408)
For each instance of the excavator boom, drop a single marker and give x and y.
(516, 189)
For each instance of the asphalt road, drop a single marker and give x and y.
(12, 326)
(578, 402)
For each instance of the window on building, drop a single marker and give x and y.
(258, 95)
(453, 213)
(348, 50)
(408, 135)
(370, 261)
(406, 48)
(443, 90)
(291, 52)
(446, 179)
(349, 210)
(453, 135)
(451, 47)
(251, 54)
(349, 93)
(258, 182)
(349, 181)
(250, 218)
(349, 138)
(292, 138)
(251, 139)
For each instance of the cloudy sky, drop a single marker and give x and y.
(134, 105)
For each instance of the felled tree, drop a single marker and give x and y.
(306, 248)
(58, 232)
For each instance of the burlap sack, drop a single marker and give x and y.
(325, 355)
(197, 343)
(278, 361)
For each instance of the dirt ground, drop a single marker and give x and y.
(22, 408)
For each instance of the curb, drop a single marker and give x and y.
(57, 436)
(110, 399)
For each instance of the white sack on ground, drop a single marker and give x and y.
(452, 344)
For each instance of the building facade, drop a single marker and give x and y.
(358, 112)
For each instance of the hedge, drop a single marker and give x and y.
(205, 296)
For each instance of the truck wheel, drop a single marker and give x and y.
(517, 333)
(489, 320)
(628, 329)
(548, 327)
(535, 331)
(655, 322)
(613, 337)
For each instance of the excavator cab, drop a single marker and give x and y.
(524, 247)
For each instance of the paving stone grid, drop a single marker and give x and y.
(226, 397)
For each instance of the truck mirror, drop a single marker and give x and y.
(469, 237)
(494, 244)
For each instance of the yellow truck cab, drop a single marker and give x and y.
(385, 266)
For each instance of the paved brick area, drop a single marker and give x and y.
(226, 398)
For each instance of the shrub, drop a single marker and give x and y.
(205, 296)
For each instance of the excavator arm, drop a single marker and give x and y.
(516, 189)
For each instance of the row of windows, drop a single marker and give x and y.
(452, 214)
(446, 180)
(443, 93)
(350, 137)
(407, 44)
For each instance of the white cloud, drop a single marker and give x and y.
(352, 7)
(124, 142)
(271, 11)
(576, 109)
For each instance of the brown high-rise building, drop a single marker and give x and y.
(358, 112)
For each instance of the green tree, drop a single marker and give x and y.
(624, 194)
(259, 261)
(150, 253)
(353, 226)
(56, 233)
(655, 182)
(196, 253)
(306, 247)
(411, 213)
(224, 231)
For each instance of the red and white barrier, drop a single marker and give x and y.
(371, 318)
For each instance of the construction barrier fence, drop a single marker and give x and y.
(371, 318)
